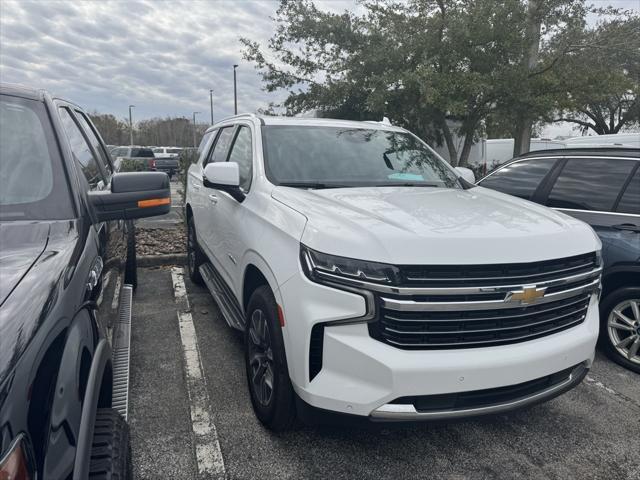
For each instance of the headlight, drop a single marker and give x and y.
(322, 267)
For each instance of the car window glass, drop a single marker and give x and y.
(589, 184)
(630, 201)
(141, 153)
(242, 155)
(520, 179)
(95, 142)
(203, 144)
(33, 185)
(81, 151)
(219, 152)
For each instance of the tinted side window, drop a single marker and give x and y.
(589, 184)
(219, 153)
(95, 142)
(520, 179)
(81, 150)
(630, 201)
(242, 155)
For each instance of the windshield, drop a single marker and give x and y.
(174, 150)
(32, 181)
(319, 157)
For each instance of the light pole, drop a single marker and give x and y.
(211, 101)
(235, 93)
(130, 126)
(194, 128)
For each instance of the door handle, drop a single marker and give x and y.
(629, 227)
(213, 199)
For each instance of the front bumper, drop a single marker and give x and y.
(363, 376)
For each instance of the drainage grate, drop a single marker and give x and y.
(121, 352)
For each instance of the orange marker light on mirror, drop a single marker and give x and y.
(154, 202)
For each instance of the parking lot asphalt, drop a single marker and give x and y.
(592, 432)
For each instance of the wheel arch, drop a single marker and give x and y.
(619, 277)
(256, 272)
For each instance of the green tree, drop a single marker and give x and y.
(604, 78)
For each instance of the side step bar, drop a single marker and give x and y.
(121, 353)
(223, 296)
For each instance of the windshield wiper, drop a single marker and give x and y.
(314, 185)
(407, 184)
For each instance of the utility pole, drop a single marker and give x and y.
(235, 91)
(130, 126)
(194, 128)
(211, 101)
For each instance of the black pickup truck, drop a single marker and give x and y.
(67, 269)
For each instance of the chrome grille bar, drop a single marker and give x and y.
(416, 306)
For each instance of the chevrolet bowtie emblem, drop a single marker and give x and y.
(528, 294)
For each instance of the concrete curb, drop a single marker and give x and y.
(157, 260)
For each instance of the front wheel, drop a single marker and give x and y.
(195, 257)
(620, 327)
(110, 452)
(272, 394)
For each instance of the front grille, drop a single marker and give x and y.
(484, 398)
(477, 328)
(466, 306)
(483, 275)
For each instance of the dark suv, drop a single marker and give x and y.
(67, 269)
(602, 188)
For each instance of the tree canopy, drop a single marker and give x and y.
(440, 67)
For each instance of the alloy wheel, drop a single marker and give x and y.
(624, 329)
(261, 358)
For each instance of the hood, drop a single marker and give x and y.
(422, 225)
(21, 243)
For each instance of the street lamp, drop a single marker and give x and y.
(130, 126)
(235, 93)
(211, 101)
(194, 128)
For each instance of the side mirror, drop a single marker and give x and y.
(224, 176)
(467, 174)
(133, 195)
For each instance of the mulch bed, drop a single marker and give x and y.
(161, 241)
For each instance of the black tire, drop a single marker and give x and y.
(195, 257)
(612, 300)
(110, 450)
(131, 265)
(277, 412)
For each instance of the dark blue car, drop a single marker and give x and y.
(601, 187)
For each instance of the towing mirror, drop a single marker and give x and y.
(133, 195)
(467, 174)
(224, 176)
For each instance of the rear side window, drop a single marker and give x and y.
(141, 152)
(81, 151)
(219, 153)
(520, 179)
(243, 156)
(32, 179)
(590, 184)
(93, 139)
(630, 200)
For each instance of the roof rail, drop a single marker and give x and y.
(239, 115)
(385, 121)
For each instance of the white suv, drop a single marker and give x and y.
(372, 279)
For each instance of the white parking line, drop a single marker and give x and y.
(207, 448)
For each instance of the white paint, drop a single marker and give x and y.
(592, 381)
(206, 445)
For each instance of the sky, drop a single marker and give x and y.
(162, 56)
